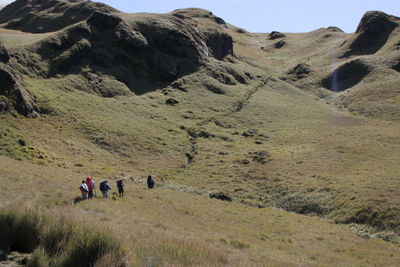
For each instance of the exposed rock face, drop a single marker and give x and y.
(18, 97)
(4, 56)
(346, 76)
(397, 66)
(48, 15)
(144, 53)
(219, 43)
(300, 71)
(174, 48)
(372, 33)
(280, 44)
(148, 52)
(276, 35)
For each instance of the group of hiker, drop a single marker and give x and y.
(87, 187)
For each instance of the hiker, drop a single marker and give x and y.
(90, 185)
(120, 186)
(150, 181)
(104, 187)
(162, 181)
(84, 190)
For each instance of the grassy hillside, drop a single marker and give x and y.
(163, 226)
(312, 172)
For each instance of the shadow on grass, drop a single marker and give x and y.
(78, 199)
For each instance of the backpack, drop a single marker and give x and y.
(103, 186)
(89, 182)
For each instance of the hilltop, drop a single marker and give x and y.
(299, 130)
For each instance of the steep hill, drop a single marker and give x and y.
(303, 122)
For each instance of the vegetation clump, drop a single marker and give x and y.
(57, 242)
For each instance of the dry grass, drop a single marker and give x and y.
(262, 138)
(13, 38)
(161, 226)
(317, 161)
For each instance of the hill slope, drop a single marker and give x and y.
(262, 118)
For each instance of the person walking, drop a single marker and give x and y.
(90, 185)
(104, 188)
(120, 186)
(150, 181)
(84, 190)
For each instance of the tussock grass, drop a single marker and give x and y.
(168, 227)
(57, 242)
(251, 130)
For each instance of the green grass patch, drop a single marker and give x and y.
(15, 146)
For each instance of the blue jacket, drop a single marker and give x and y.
(104, 186)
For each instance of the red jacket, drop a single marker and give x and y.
(89, 183)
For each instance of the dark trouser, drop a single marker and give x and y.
(90, 193)
(121, 191)
(150, 185)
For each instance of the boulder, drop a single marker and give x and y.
(171, 101)
(219, 20)
(280, 44)
(276, 35)
(221, 196)
(300, 71)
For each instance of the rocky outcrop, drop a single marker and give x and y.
(139, 57)
(301, 71)
(346, 76)
(275, 35)
(372, 33)
(197, 13)
(221, 196)
(148, 52)
(14, 94)
(280, 44)
(144, 52)
(220, 43)
(4, 55)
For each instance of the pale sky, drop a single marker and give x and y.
(275, 15)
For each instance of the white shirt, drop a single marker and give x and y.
(85, 187)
